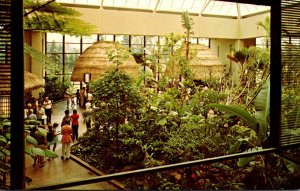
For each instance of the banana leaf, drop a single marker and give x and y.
(51, 154)
(262, 107)
(234, 148)
(38, 151)
(245, 160)
(3, 139)
(234, 110)
(31, 140)
(44, 131)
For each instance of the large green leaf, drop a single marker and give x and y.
(3, 139)
(31, 140)
(234, 148)
(44, 131)
(38, 151)
(28, 150)
(162, 121)
(51, 154)
(234, 110)
(262, 107)
(245, 160)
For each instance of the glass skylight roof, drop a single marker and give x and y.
(203, 7)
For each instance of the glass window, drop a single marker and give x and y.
(54, 37)
(89, 39)
(53, 47)
(137, 49)
(70, 60)
(58, 67)
(85, 46)
(204, 41)
(122, 39)
(72, 39)
(151, 40)
(137, 40)
(72, 48)
(106, 37)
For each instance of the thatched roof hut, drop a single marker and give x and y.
(94, 60)
(203, 63)
(32, 81)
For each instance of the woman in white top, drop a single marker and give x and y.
(48, 109)
(40, 114)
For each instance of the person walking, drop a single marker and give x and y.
(66, 119)
(40, 114)
(52, 136)
(75, 124)
(66, 141)
(82, 95)
(48, 108)
(78, 98)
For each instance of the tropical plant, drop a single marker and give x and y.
(32, 150)
(53, 17)
(187, 24)
(266, 25)
(4, 151)
(55, 89)
(117, 54)
(117, 100)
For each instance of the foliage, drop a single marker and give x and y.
(254, 65)
(117, 100)
(38, 56)
(266, 25)
(4, 150)
(187, 24)
(55, 89)
(54, 18)
(117, 54)
(137, 127)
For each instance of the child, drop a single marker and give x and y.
(52, 136)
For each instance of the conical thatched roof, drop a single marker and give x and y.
(203, 63)
(94, 60)
(32, 81)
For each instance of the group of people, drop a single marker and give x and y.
(82, 96)
(41, 110)
(69, 132)
(37, 109)
(45, 141)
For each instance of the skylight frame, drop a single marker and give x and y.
(201, 7)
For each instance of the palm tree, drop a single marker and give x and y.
(50, 16)
(267, 27)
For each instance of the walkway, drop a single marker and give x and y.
(59, 171)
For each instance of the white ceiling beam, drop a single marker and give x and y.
(239, 16)
(157, 3)
(193, 4)
(204, 6)
(182, 4)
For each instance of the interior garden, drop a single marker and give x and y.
(161, 100)
(143, 122)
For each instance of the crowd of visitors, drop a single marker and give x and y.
(47, 134)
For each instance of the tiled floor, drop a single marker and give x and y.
(59, 171)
